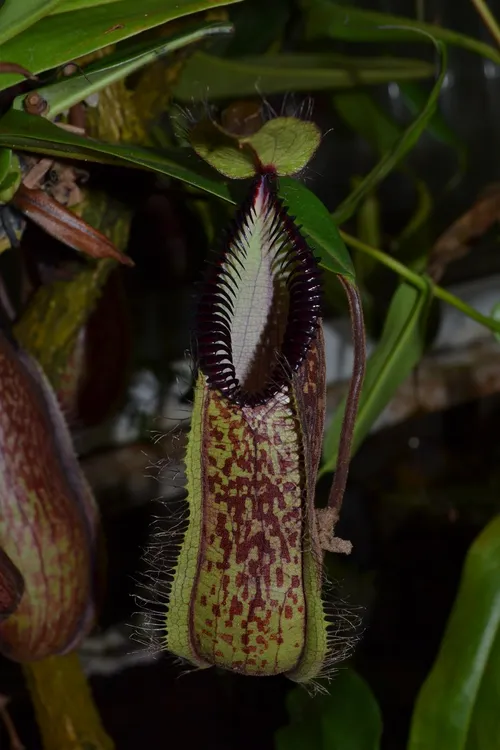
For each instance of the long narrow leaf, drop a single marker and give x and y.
(398, 351)
(217, 78)
(338, 21)
(58, 39)
(402, 146)
(17, 15)
(68, 5)
(457, 708)
(66, 92)
(31, 133)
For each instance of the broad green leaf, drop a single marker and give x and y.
(58, 39)
(67, 5)
(17, 15)
(366, 118)
(401, 147)
(346, 717)
(205, 75)
(31, 133)
(398, 351)
(105, 71)
(338, 21)
(317, 226)
(458, 705)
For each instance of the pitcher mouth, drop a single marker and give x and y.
(260, 303)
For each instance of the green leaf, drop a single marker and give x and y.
(286, 144)
(252, 37)
(457, 708)
(10, 174)
(68, 91)
(221, 151)
(495, 314)
(17, 15)
(317, 226)
(403, 145)
(324, 18)
(31, 133)
(346, 717)
(58, 39)
(217, 78)
(415, 232)
(415, 97)
(398, 351)
(5, 161)
(366, 118)
(68, 5)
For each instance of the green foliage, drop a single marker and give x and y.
(60, 38)
(15, 16)
(31, 133)
(495, 314)
(457, 708)
(398, 351)
(219, 78)
(67, 5)
(400, 148)
(317, 226)
(363, 115)
(345, 717)
(64, 93)
(10, 174)
(286, 144)
(350, 24)
(415, 97)
(252, 37)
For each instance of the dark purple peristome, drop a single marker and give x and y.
(303, 281)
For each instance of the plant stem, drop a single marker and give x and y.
(353, 396)
(65, 711)
(488, 18)
(421, 283)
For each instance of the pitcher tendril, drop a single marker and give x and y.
(246, 589)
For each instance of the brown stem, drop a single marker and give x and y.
(77, 116)
(351, 408)
(8, 67)
(328, 517)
